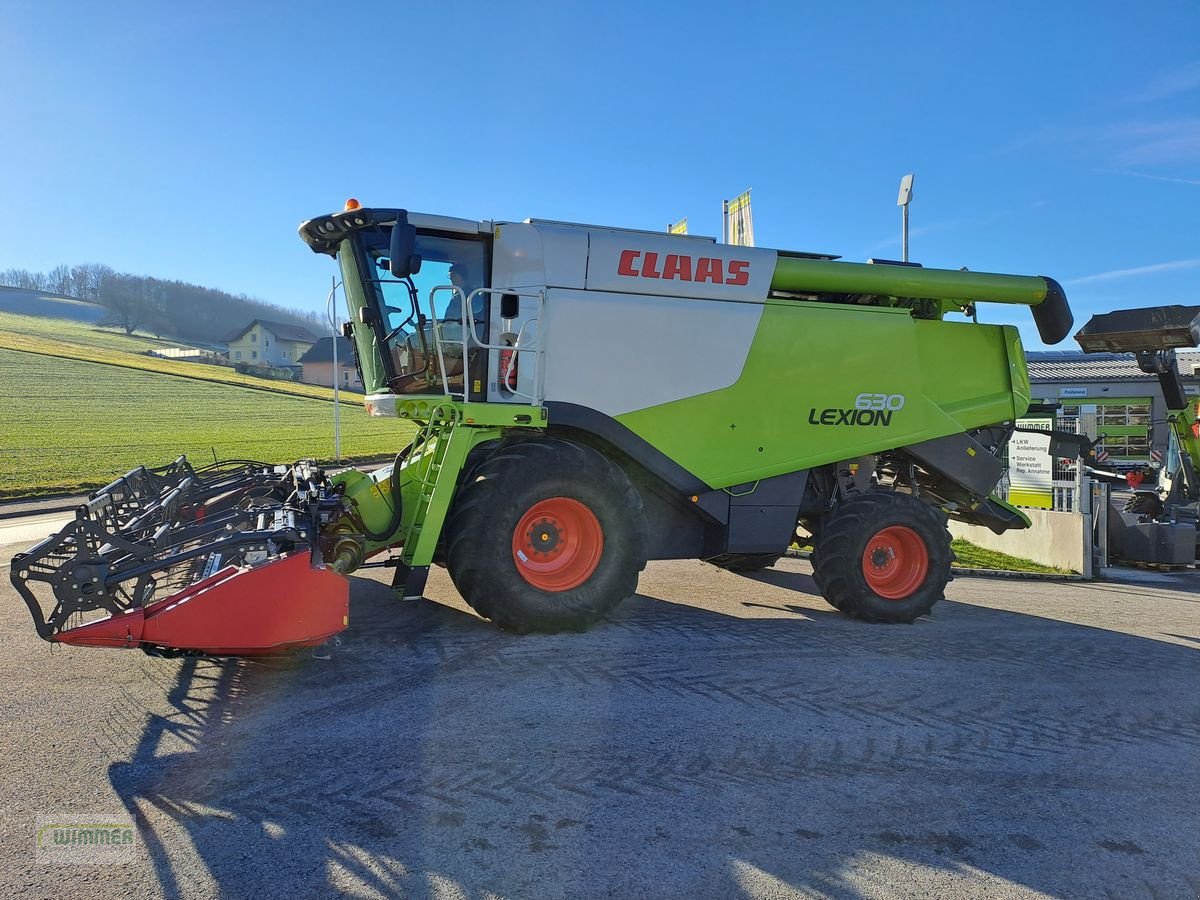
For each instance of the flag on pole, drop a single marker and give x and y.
(679, 227)
(741, 225)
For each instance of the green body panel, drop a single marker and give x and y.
(1018, 370)
(1016, 510)
(422, 408)
(365, 345)
(372, 499)
(429, 473)
(808, 364)
(826, 276)
(1183, 423)
(428, 480)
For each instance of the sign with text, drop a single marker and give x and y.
(1030, 466)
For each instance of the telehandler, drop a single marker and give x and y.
(586, 399)
(1157, 526)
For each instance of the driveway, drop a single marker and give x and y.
(720, 736)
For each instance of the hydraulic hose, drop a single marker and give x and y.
(397, 503)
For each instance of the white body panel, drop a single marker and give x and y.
(449, 223)
(630, 319)
(525, 255)
(554, 254)
(671, 265)
(617, 352)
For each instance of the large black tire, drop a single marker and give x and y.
(883, 542)
(559, 478)
(746, 562)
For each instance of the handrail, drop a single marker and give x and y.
(436, 328)
(469, 338)
(540, 296)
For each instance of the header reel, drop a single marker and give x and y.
(158, 558)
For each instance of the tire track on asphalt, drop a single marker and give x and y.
(458, 782)
(995, 724)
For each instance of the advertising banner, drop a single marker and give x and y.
(741, 224)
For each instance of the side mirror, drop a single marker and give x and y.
(403, 258)
(510, 306)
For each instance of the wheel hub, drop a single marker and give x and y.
(545, 536)
(557, 544)
(895, 562)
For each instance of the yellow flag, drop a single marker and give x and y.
(679, 227)
(741, 225)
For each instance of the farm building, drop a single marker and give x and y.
(1106, 393)
(318, 364)
(266, 343)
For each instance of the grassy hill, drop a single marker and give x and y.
(80, 341)
(55, 306)
(85, 405)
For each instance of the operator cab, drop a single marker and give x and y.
(419, 326)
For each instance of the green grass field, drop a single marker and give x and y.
(83, 333)
(70, 424)
(971, 556)
(78, 341)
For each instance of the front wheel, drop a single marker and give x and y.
(883, 557)
(546, 535)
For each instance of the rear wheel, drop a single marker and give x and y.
(547, 535)
(746, 562)
(883, 557)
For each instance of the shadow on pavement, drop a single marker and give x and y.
(682, 752)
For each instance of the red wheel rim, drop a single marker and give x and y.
(557, 544)
(895, 562)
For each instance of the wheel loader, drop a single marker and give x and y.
(585, 399)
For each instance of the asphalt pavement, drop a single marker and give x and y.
(721, 736)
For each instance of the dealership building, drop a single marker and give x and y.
(1106, 393)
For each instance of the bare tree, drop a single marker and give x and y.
(176, 308)
(58, 280)
(125, 301)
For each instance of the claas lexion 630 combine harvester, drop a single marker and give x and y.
(586, 399)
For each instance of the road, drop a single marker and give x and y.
(720, 736)
(27, 530)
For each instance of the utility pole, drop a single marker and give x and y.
(724, 221)
(331, 311)
(905, 198)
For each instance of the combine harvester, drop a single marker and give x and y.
(586, 399)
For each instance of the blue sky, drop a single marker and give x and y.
(189, 140)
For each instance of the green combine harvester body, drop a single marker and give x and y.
(590, 398)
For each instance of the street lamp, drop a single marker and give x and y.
(905, 198)
(332, 317)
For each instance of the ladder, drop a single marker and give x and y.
(445, 448)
